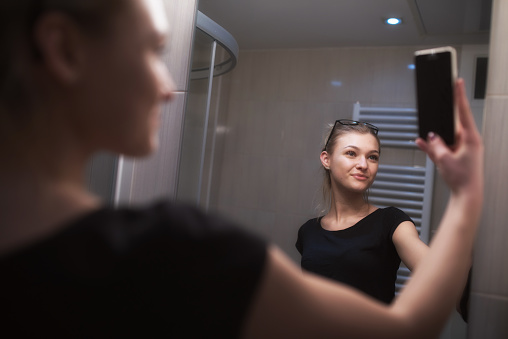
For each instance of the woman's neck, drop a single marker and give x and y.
(346, 210)
(348, 207)
(34, 207)
(42, 186)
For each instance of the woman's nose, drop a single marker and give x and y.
(166, 83)
(362, 163)
(168, 88)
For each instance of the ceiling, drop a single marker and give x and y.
(276, 24)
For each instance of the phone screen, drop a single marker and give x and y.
(434, 84)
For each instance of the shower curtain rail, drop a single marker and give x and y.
(224, 39)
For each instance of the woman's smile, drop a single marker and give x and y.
(361, 177)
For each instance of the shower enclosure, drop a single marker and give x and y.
(215, 52)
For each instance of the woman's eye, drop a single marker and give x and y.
(374, 157)
(350, 153)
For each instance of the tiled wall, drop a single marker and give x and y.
(154, 177)
(279, 104)
(489, 298)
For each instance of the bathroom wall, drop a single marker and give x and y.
(489, 297)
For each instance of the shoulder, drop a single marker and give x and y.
(310, 224)
(164, 216)
(178, 235)
(392, 217)
(394, 213)
(173, 223)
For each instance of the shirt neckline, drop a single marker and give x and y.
(354, 226)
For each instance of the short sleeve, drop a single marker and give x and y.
(298, 243)
(303, 230)
(394, 217)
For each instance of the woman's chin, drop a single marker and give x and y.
(139, 149)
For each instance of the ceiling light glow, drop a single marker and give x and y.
(393, 21)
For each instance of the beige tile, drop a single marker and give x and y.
(497, 83)
(488, 317)
(363, 71)
(289, 199)
(181, 15)
(491, 252)
(296, 77)
(228, 176)
(243, 217)
(259, 222)
(240, 76)
(332, 76)
(392, 81)
(269, 183)
(310, 187)
(265, 80)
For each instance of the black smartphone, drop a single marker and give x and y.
(436, 72)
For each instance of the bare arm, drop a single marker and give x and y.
(294, 304)
(410, 248)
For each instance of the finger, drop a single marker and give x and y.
(465, 116)
(436, 148)
(422, 144)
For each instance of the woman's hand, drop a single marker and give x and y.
(461, 165)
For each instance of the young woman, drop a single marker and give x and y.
(81, 76)
(355, 242)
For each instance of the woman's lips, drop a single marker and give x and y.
(360, 177)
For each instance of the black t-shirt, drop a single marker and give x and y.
(163, 271)
(362, 256)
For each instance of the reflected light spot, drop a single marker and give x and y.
(222, 130)
(411, 66)
(336, 83)
(393, 21)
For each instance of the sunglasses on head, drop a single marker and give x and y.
(348, 122)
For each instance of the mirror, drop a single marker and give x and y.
(304, 64)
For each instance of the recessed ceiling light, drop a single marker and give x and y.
(393, 21)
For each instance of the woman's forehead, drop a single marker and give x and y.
(360, 140)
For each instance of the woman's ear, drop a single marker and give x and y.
(60, 44)
(325, 159)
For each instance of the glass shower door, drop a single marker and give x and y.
(214, 53)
